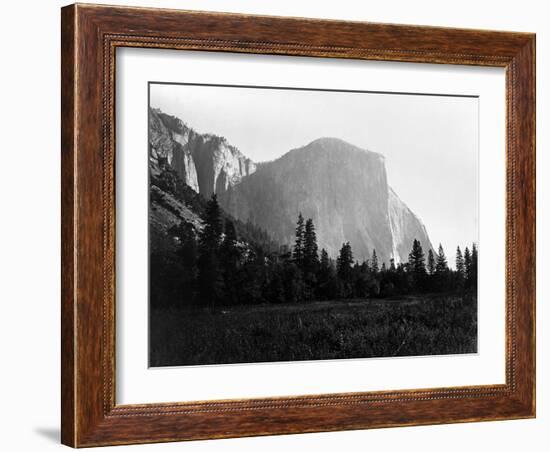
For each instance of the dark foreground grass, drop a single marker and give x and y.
(407, 326)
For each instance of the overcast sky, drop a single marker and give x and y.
(430, 142)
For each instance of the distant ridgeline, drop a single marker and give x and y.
(318, 223)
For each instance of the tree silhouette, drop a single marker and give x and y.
(416, 259)
(210, 278)
(298, 253)
(326, 279)
(310, 256)
(344, 263)
(459, 262)
(186, 247)
(325, 261)
(229, 249)
(186, 253)
(467, 262)
(230, 256)
(468, 267)
(374, 262)
(441, 266)
(473, 270)
(431, 262)
(417, 265)
(325, 268)
(212, 231)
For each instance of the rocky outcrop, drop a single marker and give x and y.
(343, 188)
(405, 227)
(207, 163)
(219, 165)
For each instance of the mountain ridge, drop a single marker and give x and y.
(205, 162)
(342, 187)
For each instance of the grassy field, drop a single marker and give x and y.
(405, 326)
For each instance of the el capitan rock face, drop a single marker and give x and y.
(405, 227)
(343, 188)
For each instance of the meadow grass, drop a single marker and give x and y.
(338, 329)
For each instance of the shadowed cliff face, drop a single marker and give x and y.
(342, 188)
(207, 163)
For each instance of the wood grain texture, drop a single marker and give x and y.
(90, 36)
(67, 224)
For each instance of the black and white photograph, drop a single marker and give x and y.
(295, 224)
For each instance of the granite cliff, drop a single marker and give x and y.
(343, 188)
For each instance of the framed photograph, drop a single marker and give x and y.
(281, 225)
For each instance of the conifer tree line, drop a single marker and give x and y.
(215, 268)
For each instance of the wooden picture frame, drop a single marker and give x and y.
(90, 35)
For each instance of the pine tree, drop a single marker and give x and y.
(416, 260)
(230, 256)
(325, 277)
(186, 247)
(441, 266)
(211, 233)
(366, 266)
(374, 262)
(467, 266)
(344, 262)
(230, 239)
(460, 268)
(431, 262)
(473, 271)
(210, 278)
(310, 262)
(383, 268)
(186, 251)
(392, 264)
(417, 266)
(310, 256)
(298, 253)
(324, 264)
